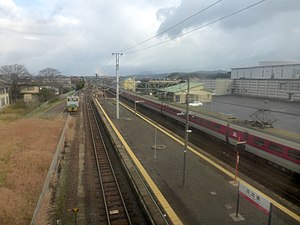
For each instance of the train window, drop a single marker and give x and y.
(294, 154)
(217, 126)
(258, 141)
(275, 147)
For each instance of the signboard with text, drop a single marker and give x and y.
(255, 198)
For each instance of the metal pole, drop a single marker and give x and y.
(97, 82)
(236, 164)
(237, 202)
(117, 75)
(186, 132)
(155, 142)
(270, 214)
(238, 157)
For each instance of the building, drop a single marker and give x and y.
(4, 94)
(271, 79)
(29, 92)
(150, 86)
(268, 70)
(129, 84)
(219, 86)
(282, 89)
(177, 93)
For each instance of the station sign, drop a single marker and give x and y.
(256, 199)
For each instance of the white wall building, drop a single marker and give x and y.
(268, 70)
(219, 86)
(4, 95)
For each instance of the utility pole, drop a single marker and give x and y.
(96, 82)
(187, 131)
(117, 75)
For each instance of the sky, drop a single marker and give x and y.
(78, 37)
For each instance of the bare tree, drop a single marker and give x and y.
(14, 73)
(50, 75)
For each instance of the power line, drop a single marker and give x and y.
(198, 28)
(106, 64)
(164, 31)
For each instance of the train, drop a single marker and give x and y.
(72, 103)
(274, 148)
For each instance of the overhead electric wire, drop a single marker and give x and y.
(164, 31)
(205, 25)
(106, 64)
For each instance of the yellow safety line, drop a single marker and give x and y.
(274, 202)
(170, 212)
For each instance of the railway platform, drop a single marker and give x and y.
(204, 194)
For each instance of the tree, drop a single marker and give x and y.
(50, 75)
(79, 85)
(46, 94)
(14, 73)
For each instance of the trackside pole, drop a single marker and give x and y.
(237, 201)
(270, 214)
(155, 133)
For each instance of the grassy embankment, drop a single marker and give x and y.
(26, 150)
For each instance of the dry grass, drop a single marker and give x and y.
(26, 150)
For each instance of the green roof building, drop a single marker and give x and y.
(177, 93)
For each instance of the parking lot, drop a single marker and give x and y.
(287, 114)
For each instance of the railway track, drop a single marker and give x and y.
(119, 205)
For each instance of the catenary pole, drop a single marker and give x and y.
(186, 131)
(117, 76)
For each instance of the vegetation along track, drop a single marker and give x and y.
(119, 205)
(263, 172)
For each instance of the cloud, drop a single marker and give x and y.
(262, 13)
(78, 37)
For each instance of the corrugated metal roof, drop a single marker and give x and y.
(181, 87)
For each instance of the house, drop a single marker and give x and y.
(30, 92)
(177, 93)
(4, 94)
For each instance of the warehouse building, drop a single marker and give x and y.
(271, 79)
(177, 93)
(268, 70)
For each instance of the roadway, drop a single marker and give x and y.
(208, 197)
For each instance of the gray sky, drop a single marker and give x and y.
(78, 37)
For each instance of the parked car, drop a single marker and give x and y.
(195, 103)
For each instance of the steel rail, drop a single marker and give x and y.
(103, 157)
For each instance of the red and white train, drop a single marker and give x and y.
(279, 150)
